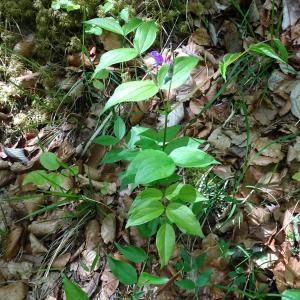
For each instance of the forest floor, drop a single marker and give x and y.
(65, 197)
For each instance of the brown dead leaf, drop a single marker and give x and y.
(16, 270)
(47, 224)
(109, 285)
(92, 234)
(110, 40)
(219, 140)
(34, 204)
(61, 261)
(202, 76)
(26, 46)
(108, 229)
(265, 152)
(12, 243)
(201, 37)
(224, 172)
(232, 37)
(14, 291)
(36, 246)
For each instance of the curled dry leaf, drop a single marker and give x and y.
(47, 226)
(92, 234)
(201, 37)
(108, 229)
(12, 243)
(28, 81)
(26, 46)
(14, 291)
(61, 261)
(110, 40)
(37, 247)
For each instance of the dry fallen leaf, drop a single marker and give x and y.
(36, 246)
(110, 40)
(92, 234)
(201, 37)
(14, 291)
(12, 243)
(108, 228)
(61, 261)
(16, 270)
(109, 285)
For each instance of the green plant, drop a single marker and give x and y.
(256, 49)
(73, 291)
(52, 176)
(68, 5)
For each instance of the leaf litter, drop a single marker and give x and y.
(252, 127)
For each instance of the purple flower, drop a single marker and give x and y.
(159, 59)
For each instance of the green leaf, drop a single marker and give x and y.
(187, 157)
(228, 59)
(282, 50)
(182, 192)
(183, 141)
(38, 177)
(132, 253)
(49, 161)
(109, 24)
(146, 143)
(73, 291)
(159, 136)
(293, 294)
(92, 29)
(186, 284)
(131, 25)
(144, 212)
(198, 261)
(265, 49)
(148, 229)
(296, 176)
(149, 194)
(133, 91)
(182, 68)
(115, 56)
(162, 74)
(118, 154)
(165, 243)
(102, 74)
(184, 218)
(124, 14)
(150, 165)
(204, 278)
(171, 133)
(105, 140)
(145, 36)
(98, 84)
(125, 272)
(119, 128)
(146, 279)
